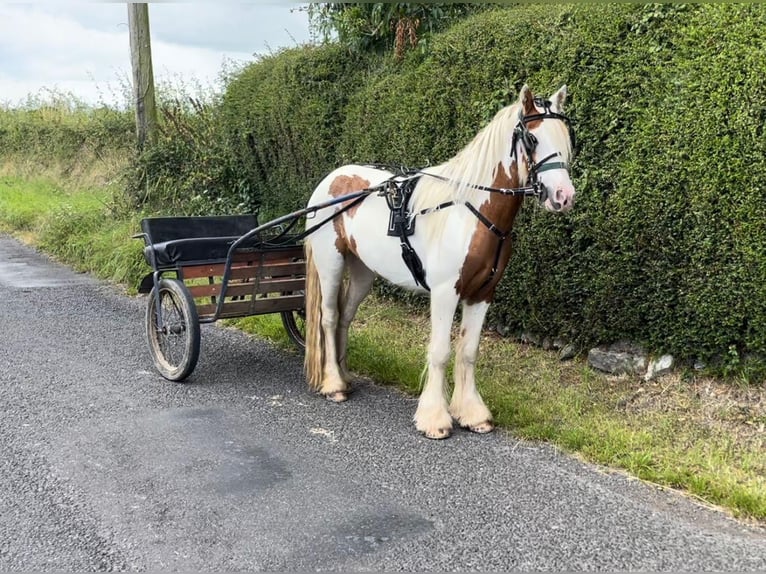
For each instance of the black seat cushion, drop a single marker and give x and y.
(194, 250)
(176, 240)
(161, 229)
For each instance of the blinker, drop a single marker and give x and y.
(529, 141)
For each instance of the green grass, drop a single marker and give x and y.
(681, 432)
(78, 227)
(23, 204)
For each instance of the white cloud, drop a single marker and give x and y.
(84, 48)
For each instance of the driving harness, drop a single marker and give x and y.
(399, 189)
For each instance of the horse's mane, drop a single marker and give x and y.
(476, 163)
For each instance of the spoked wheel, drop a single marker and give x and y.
(295, 325)
(175, 344)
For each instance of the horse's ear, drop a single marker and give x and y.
(527, 101)
(558, 99)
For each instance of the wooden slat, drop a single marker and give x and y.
(247, 269)
(287, 269)
(279, 267)
(261, 287)
(255, 307)
(196, 271)
(282, 285)
(281, 254)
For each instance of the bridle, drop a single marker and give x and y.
(535, 187)
(529, 142)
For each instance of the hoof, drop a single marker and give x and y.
(337, 396)
(438, 434)
(482, 428)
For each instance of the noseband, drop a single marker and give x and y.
(529, 143)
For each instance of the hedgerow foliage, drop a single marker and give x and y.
(60, 128)
(192, 168)
(666, 245)
(284, 117)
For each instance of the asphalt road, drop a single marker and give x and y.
(106, 466)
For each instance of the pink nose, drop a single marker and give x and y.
(563, 198)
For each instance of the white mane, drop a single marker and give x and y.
(475, 164)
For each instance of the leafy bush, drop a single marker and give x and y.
(284, 116)
(666, 245)
(191, 169)
(63, 129)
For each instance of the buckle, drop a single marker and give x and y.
(394, 195)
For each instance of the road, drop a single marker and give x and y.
(106, 466)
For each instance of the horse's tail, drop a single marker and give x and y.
(313, 362)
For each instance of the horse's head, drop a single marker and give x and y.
(543, 140)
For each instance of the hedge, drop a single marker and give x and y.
(666, 246)
(63, 131)
(284, 115)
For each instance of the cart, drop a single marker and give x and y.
(206, 268)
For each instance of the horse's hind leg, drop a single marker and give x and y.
(432, 417)
(467, 406)
(330, 267)
(359, 284)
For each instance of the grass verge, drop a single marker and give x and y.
(684, 431)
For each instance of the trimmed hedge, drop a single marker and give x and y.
(284, 116)
(667, 243)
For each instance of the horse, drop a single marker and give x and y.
(464, 210)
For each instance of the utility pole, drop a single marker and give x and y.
(143, 78)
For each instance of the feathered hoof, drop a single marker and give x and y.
(337, 396)
(482, 428)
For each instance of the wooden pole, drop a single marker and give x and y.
(143, 78)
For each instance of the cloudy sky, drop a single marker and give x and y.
(83, 48)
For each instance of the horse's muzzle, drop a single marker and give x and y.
(561, 200)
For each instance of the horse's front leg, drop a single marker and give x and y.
(467, 406)
(432, 417)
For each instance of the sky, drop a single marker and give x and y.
(83, 48)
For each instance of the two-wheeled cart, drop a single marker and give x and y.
(206, 268)
(215, 267)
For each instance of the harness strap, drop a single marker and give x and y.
(501, 235)
(413, 262)
(354, 202)
(402, 224)
(544, 165)
(435, 209)
(526, 191)
(487, 223)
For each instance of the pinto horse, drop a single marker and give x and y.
(463, 210)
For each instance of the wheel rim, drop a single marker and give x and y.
(300, 324)
(171, 340)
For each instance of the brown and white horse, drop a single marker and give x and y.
(464, 210)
